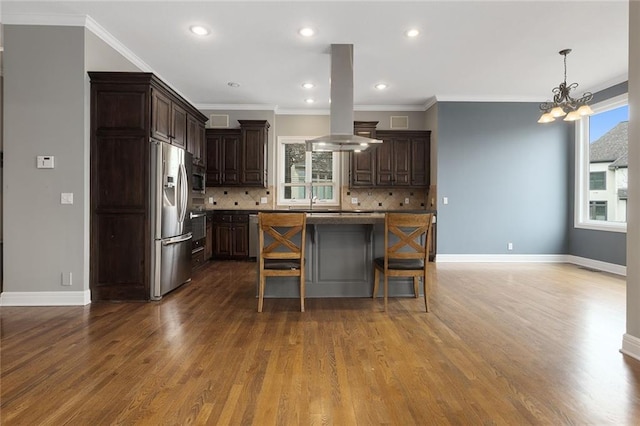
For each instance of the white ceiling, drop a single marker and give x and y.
(466, 51)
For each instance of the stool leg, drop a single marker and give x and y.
(386, 291)
(416, 284)
(376, 278)
(302, 290)
(261, 292)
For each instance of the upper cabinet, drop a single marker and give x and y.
(238, 157)
(402, 160)
(196, 140)
(174, 121)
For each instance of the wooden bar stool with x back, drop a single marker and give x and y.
(407, 239)
(281, 254)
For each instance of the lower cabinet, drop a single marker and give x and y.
(208, 247)
(230, 236)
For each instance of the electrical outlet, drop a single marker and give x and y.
(406, 201)
(354, 200)
(509, 246)
(263, 200)
(445, 200)
(210, 200)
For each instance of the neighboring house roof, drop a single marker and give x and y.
(611, 147)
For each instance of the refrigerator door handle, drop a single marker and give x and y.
(184, 193)
(176, 240)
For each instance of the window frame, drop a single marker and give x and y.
(282, 141)
(582, 175)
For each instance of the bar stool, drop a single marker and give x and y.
(279, 255)
(407, 239)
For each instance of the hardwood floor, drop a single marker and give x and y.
(503, 344)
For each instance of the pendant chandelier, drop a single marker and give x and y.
(563, 104)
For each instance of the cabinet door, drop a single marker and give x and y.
(178, 126)
(222, 244)
(253, 165)
(401, 161)
(420, 161)
(200, 145)
(160, 116)
(363, 164)
(240, 240)
(208, 246)
(192, 130)
(230, 165)
(384, 163)
(214, 159)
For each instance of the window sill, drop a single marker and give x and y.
(598, 226)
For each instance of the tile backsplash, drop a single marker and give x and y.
(230, 198)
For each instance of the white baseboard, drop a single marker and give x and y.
(499, 258)
(596, 264)
(631, 346)
(533, 258)
(45, 298)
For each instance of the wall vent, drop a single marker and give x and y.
(217, 121)
(399, 122)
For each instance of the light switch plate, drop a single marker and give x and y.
(263, 200)
(45, 162)
(210, 200)
(354, 200)
(66, 198)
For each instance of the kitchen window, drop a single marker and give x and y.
(601, 167)
(298, 170)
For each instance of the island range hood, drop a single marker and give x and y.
(341, 110)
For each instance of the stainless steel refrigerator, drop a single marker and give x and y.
(171, 224)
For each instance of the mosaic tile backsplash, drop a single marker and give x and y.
(365, 199)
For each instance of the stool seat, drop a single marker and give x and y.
(400, 264)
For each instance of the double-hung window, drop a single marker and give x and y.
(303, 175)
(601, 167)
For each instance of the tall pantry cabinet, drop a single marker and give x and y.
(127, 111)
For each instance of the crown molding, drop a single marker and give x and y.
(609, 83)
(236, 107)
(462, 98)
(52, 20)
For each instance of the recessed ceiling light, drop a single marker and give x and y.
(412, 33)
(309, 100)
(306, 32)
(199, 30)
(381, 86)
(233, 84)
(308, 85)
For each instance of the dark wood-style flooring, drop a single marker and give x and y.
(512, 344)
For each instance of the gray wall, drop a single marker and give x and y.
(44, 115)
(431, 123)
(604, 246)
(506, 178)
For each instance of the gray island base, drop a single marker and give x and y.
(339, 252)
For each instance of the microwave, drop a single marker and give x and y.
(198, 181)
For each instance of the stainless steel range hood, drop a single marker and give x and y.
(341, 111)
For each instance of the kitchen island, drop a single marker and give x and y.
(339, 252)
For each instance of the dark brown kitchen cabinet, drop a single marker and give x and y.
(254, 152)
(363, 163)
(402, 160)
(393, 158)
(196, 140)
(168, 119)
(231, 236)
(128, 111)
(223, 157)
(237, 157)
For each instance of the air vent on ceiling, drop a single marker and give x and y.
(217, 121)
(399, 122)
